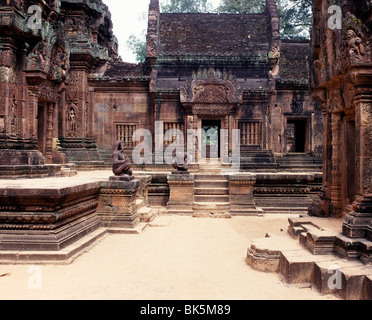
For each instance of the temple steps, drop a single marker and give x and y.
(211, 188)
(206, 198)
(211, 183)
(211, 197)
(308, 256)
(209, 191)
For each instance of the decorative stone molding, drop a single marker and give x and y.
(212, 87)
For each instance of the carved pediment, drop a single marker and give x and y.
(211, 86)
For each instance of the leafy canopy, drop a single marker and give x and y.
(295, 16)
(186, 6)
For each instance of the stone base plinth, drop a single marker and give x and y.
(47, 219)
(357, 224)
(117, 203)
(241, 194)
(181, 194)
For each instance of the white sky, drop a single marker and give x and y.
(130, 17)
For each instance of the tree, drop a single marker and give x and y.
(186, 6)
(295, 18)
(241, 6)
(295, 15)
(138, 47)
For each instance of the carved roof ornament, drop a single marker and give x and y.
(274, 53)
(211, 86)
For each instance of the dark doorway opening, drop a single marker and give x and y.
(211, 139)
(296, 136)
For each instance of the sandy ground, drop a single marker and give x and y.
(183, 258)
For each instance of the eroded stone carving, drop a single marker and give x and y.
(355, 47)
(181, 162)
(211, 86)
(122, 164)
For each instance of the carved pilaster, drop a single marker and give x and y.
(336, 164)
(357, 223)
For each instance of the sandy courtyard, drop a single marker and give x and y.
(177, 258)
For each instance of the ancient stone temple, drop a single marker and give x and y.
(225, 87)
(337, 233)
(66, 97)
(48, 51)
(216, 71)
(341, 81)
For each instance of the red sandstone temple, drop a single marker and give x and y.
(302, 108)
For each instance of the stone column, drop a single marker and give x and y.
(327, 153)
(227, 142)
(49, 138)
(181, 194)
(241, 194)
(158, 140)
(33, 97)
(357, 223)
(336, 164)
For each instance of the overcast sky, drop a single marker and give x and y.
(130, 17)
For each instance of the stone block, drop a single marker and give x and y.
(353, 282)
(297, 266)
(181, 194)
(47, 219)
(328, 273)
(241, 194)
(368, 288)
(117, 203)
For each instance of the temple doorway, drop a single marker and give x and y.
(211, 139)
(296, 136)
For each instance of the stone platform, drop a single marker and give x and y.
(56, 218)
(308, 254)
(225, 194)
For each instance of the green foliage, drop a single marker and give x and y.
(241, 6)
(295, 15)
(295, 18)
(138, 47)
(186, 6)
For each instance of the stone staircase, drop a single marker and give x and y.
(299, 162)
(211, 195)
(309, 254)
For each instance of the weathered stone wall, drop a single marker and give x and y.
(112, 109)
(341, 82)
